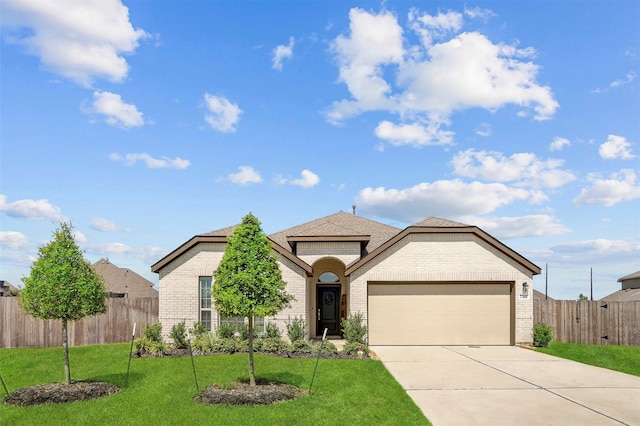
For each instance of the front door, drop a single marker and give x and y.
(328, 299)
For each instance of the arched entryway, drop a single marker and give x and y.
(330, 290)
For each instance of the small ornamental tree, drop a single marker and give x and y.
(62, 285)
(248, 281)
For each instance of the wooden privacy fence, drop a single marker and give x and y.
(19, 330)
(591, 323)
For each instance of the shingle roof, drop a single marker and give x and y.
(223, 232)
(6, 289)
(123, 280)
(628, 295)
(339, 224)
(540, 295)
(630, 276)
(439, 223)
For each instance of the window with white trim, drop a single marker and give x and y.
(205, 302)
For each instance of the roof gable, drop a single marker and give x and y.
(437, 225)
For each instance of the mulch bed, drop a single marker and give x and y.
(57, 393)
(241, 393)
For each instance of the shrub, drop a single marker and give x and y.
(225, 345)
(272, 331)
(152, 342)
(352, 349)
(301, 347)
(353, 328)
(225, 331)
(244, 332)
(327, 349)
(198, 330)
(542, 335)
(296, 329)
(275, 345)
(178, 334)
(205, 343)
(157, 348)
(153, 332)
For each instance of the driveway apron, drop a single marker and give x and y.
(509, 385)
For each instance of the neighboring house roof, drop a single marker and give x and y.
(124, 281)
(540, 295)
(6, 289)
(374, 237)
(627, 295)
(633, 276)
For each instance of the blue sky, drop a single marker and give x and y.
(145, 123)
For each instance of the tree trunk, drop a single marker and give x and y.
(252, 376)
(65, 348)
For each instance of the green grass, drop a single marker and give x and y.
(620, 358)
(161, 390)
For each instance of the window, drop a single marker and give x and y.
(205, 302)
(328, 277)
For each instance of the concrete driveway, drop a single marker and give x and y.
(508, 385)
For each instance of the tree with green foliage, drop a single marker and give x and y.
(62, 285)
(248, 281)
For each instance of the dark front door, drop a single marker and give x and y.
(328, 299)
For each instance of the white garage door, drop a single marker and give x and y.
(439, 314)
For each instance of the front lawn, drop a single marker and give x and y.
(161, 390)
(620, 358)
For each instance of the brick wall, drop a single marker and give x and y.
(347, 252)
(180, 292)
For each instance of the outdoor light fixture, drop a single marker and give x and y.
(525, 289)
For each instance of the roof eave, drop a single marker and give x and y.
(156, 267)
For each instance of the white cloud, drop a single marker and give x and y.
(79, 237)
(483, 130)
(430, 27)
(427, 83)
(620, 186)
(413, 134)
(80, 40)
(596, 251)
(115, 110)
(518, 227)
(222, 115)
(616, 147)
(281, 53)
(307, 179)
(478, 13)
(32, 209)
(245, 176)
(559, 144)
(105, 225)
(374, 40)
(13, 240)
(526, 169)
(443, 198)
(621, 82)
(151, 162)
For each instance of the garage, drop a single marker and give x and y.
(474, 313)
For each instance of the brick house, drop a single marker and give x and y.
(436, 282)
